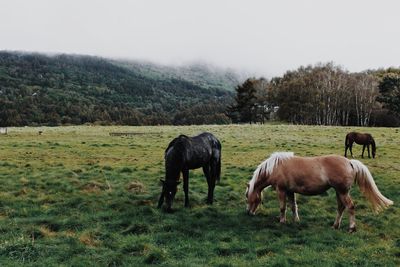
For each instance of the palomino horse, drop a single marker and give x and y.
(290, 174)
(364, 139)
(186, 153)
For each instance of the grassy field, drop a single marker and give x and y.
(75, 196)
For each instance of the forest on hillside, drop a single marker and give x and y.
(37, 89)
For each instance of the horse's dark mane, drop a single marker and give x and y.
(373, 144)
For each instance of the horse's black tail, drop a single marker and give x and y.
(216, 164)
(218, 170)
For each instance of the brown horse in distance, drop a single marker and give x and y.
(289, 174)
(364, 139)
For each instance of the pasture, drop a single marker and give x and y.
(76, 196)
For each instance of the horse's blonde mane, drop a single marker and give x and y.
(268, 165)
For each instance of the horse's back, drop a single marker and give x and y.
(313, 175)
(337, 170)
(209, 137)
(359, 138)
(195, 151)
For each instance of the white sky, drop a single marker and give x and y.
(264, 37)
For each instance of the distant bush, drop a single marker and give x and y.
(383, 118)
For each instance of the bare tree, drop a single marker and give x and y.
(325, 95)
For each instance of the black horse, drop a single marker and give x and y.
(186, 153)
(364, 139)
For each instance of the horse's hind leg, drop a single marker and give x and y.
(282, 205)
(340, 209)
(351, 150)
(210, 182)
(346, 146)
(185, 174)
(292, 200)
(348, 203)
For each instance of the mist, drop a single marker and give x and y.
(262, 37)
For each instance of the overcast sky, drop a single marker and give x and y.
(264, 37)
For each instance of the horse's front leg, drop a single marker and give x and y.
(362, 154)
(369, 156)
(348, 203)
(351, 150)
(282, 205)
(185, 174)
(340, 209)
(292, 200)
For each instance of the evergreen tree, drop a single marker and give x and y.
(389, 87)
(244, 108)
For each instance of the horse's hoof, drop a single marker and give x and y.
(352, 229)
(169, 210)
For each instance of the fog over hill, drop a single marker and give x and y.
(199, 73)
(39, 89)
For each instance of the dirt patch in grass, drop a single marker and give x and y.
(95, 187)
(89, 240)
(135, 187)
(46, 231)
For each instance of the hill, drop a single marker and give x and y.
(203, 75)
(38, 89)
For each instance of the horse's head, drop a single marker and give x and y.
(254, 198)
(260, 179)
(168, 193)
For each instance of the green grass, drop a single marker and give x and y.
(75, 196)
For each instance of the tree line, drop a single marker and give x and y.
(36, 89)
(324, 94)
